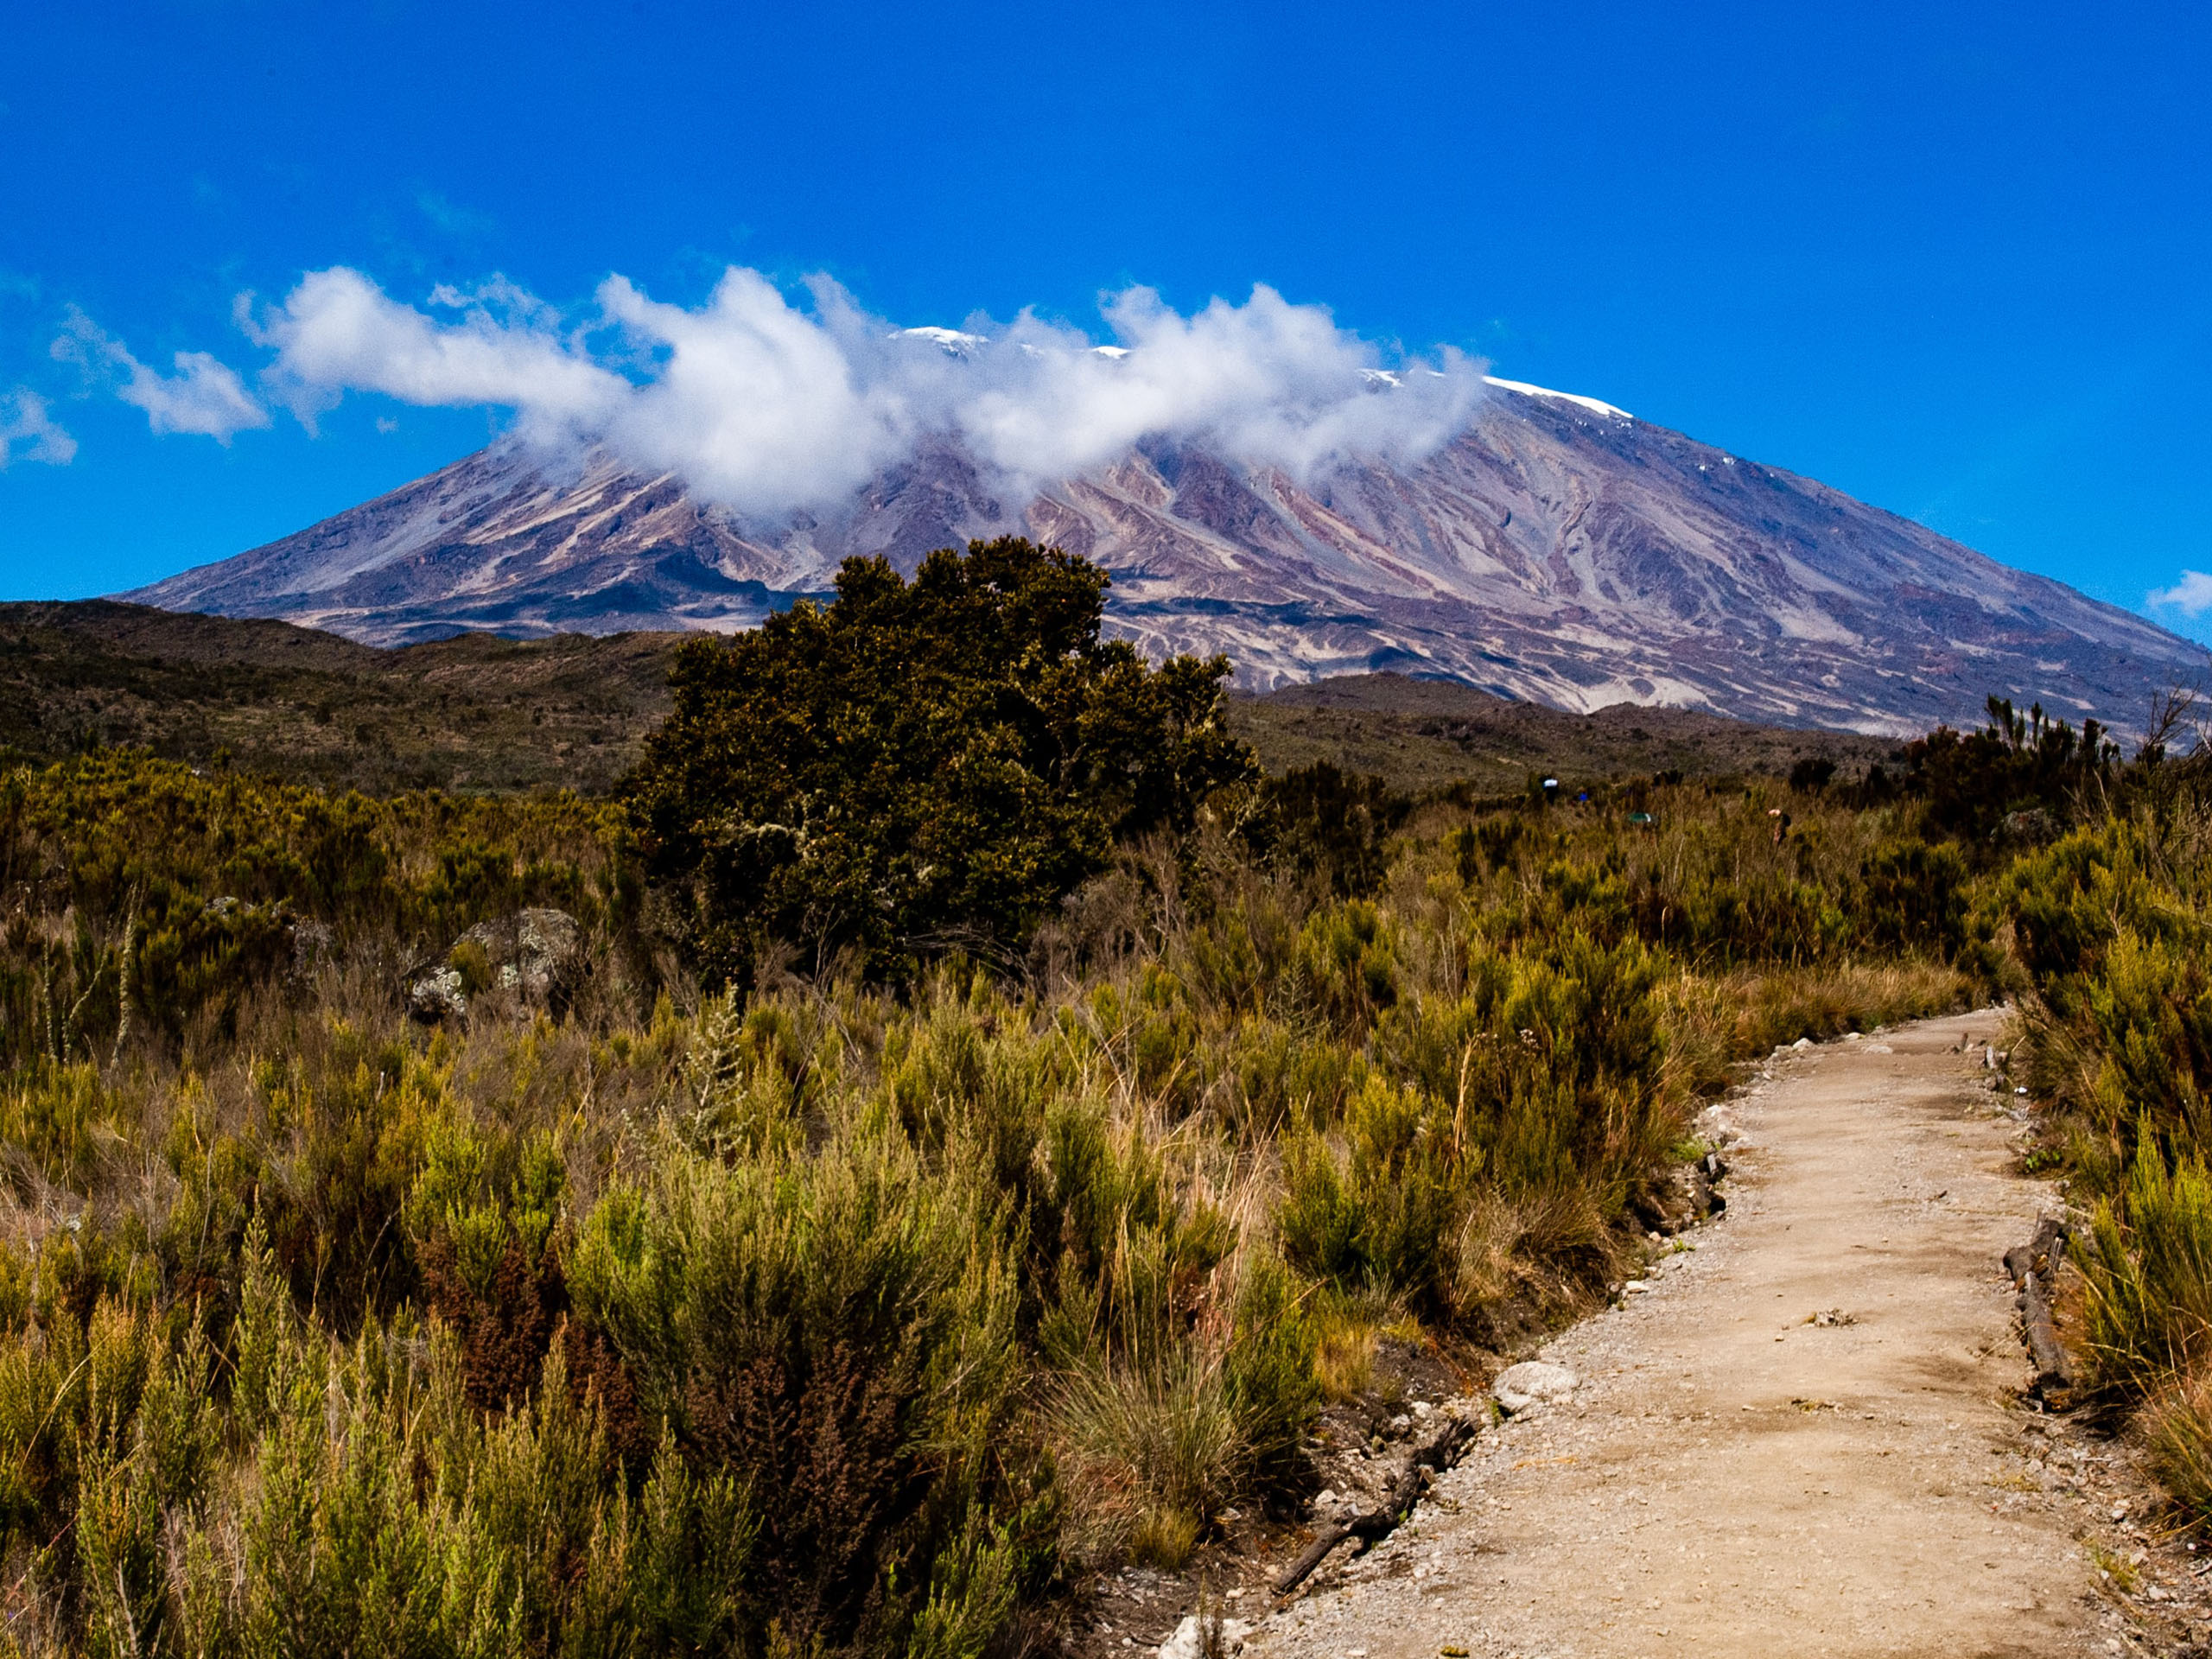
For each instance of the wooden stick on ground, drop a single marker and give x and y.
(1448, 1448)
(2034, 1266)
(2040, 1254)
(2054, 1371)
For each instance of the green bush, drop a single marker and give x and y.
(1330, 828)
(918, 766)
(1376, 1208)
(1916, 899)
(2020, 763)
(2149, 1271)
(2109, 925)
(836, 1328)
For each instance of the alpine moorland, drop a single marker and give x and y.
(948, 1125)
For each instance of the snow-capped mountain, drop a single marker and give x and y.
(1558, 551)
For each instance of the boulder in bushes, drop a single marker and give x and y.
(535, 954)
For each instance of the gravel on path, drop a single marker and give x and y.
(1803, 1438)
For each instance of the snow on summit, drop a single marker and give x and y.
(1597, 406)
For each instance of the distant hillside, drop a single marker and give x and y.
(1423, 735)
(474, 712)
(480, 713)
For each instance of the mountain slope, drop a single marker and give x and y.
(1558, 551)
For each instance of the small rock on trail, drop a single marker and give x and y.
(1530, 1383)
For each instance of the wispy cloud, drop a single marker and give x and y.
(451, 218)
(2191, 596)
(24, 422)
(772, 407)
(204, 396)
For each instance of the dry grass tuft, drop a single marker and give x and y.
(1153, 1450)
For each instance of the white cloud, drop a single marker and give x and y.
(203, 397)
(756, 404)
(2191, 596)
(24, 420)
(337, 332)
(772, 408)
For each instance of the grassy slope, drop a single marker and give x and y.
(478, 713)
(474, 712)
(1422, 734)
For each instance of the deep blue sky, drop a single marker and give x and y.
(1952, 260)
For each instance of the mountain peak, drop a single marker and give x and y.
(1558, 551)
(1594, 405)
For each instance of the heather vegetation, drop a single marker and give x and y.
(2109, 922)
(473, 712)
(903, 1213)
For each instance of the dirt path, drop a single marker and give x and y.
(1729, 1478)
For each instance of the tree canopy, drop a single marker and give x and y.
(918, 766)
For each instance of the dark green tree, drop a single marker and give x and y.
(918, 766)
(2027, 767)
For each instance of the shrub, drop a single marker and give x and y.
(1329, 827)
(2150, 1272)
(1375, 1209)
(2018, 763)
(917, 766)
(2178, 1430)
(833, 1327)
(1916, 899)
(1530, 1251)
(1160, 1440)
(1812, 773)
(1155, 1445)
(2108, 925)
(1344, 968)
(484, 1215)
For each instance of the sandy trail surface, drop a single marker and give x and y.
(1729, 1478)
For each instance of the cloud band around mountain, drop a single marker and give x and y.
(771, 409)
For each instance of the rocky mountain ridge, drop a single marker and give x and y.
(1559, 550)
